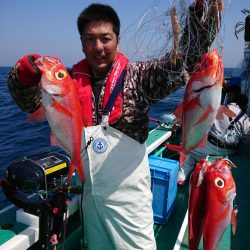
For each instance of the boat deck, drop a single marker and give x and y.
(173, 234)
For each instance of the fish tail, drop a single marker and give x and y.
(173, 147)
(179, 113)
(177, 148)
(80, 170)
(79, 167)
(77, 164)
(71, 171)
(38, 115)
(182, 158)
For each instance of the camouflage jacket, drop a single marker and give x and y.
(145, 82)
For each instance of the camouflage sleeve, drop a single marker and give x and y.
(160, 77)
(197, 36)
(157, 78)
(28, 99)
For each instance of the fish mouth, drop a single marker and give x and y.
(50, 88)
(230, 194)
(47, 63)
(202, 88)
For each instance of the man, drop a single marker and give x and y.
(223, 138)
(231, 91)
(117, 202)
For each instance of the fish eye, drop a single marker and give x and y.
(61, 74)
(219, 182)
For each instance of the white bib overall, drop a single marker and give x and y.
(117, 203)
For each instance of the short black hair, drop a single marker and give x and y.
(241, 100)
(98, 12)
(233, 88)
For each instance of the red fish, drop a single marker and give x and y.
(201, 104)
(220, 194)
(61, 107)
(196, 205)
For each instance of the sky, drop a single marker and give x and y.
(48, 27)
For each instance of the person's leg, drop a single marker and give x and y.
(189, 164)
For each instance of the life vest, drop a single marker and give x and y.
(81, 73)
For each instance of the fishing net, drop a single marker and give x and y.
(159, 31)
(153, 35)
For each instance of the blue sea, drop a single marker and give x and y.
(19, 138)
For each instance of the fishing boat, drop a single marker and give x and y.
(27, 223)
(26, 228)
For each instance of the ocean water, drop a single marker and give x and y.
(19, 138)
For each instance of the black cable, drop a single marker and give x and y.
(81, 214)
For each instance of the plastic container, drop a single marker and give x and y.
(164, 175)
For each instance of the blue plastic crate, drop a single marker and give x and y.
(164, 175)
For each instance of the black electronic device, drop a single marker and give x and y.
(41, 171)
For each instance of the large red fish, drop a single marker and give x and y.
(196, 205)
(61, 107)
(201, 104)
(220, 194)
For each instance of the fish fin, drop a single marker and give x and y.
(202, 172)
(203, 142)
(182, 158)
(64, 91)
(223, 110)
(205, 115)
(177, 148)
(80, 171)
(71, 171)
(178, 113)
(230, 163)
(60, 108)
(38, 115)
(234, 219)
(73, 167)
(192, 104)
(174, 147)
(55, 142)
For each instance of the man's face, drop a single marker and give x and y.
(100, 45)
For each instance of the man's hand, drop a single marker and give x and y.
(27, 72)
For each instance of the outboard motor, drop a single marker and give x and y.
(37, 172)
(44, 174)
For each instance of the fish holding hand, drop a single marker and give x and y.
(61, 107)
